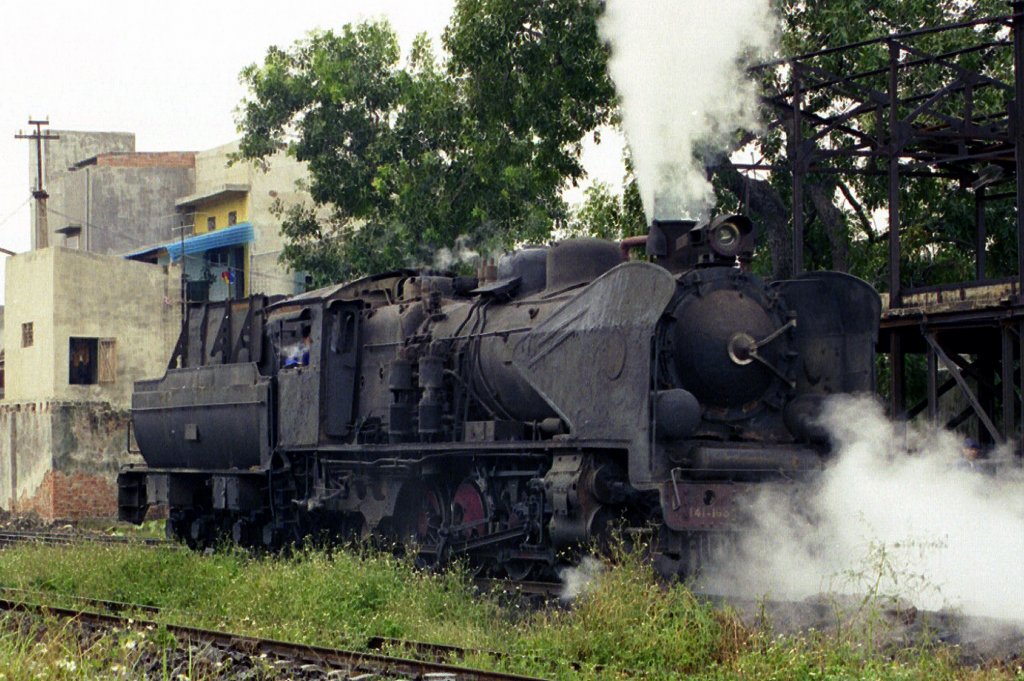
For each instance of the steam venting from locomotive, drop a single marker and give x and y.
(678, 67)
(897, 514)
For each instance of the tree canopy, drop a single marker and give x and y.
(476, 143)
(407, 157)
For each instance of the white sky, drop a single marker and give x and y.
(166, 71)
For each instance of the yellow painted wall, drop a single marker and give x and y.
(220, 210)
(30, 372)
(280, 184)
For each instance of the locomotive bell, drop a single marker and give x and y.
(677, 413)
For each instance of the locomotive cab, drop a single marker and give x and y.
(297, 339)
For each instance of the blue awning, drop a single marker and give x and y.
(241, 233)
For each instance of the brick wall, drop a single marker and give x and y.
(60, 459)
(71, 497)
(40, 503)
(149, 159)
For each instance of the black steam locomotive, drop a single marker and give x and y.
(505, 417)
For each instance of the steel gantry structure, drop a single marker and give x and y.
(935, 103)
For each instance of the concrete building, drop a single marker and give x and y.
(79, 329)
(232, 243)
(132, 234)
(162, 207)
(105, 197)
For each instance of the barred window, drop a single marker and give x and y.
(26, 335)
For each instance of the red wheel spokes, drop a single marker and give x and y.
(469, 512)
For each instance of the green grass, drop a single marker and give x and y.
(150, 529)
(626, 625)
(36, 647)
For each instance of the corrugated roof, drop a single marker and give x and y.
(242, 233)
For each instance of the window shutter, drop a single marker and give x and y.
(108, 360)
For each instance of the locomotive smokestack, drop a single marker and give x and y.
(680, 244)
(668, 243)
(667, 236)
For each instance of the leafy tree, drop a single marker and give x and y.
(379, 140)
(607, 214)
(533, 71)
(407, 158)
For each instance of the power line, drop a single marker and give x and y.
(15, 211)
(42, 231)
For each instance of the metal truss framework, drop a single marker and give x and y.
(953, 119)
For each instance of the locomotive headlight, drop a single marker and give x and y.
(725, 239)
(730, 235)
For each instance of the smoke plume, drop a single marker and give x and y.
(896, 515)
(447, 258)
(678, 66)
(578, 580)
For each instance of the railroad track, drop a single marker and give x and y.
(369, 661)
(546, 590)
(438, 652)
(9, 537)
(40, 598)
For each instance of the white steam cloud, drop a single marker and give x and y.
(897, 515)
(579, 579)
(678, 66)
(446, 258)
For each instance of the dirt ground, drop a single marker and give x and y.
(981, 640)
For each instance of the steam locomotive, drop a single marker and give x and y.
(508, 417)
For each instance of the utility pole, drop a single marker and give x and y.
(42, 234)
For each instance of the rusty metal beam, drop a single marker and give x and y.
(1006, 369)
(933, 388)
(954, 371)
(894, 178)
